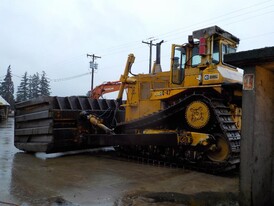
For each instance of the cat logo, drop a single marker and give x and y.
(211, 77)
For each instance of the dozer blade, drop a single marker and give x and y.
(51, 124)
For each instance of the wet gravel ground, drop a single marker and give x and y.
(92, 178)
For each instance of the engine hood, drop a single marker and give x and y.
(230, 76)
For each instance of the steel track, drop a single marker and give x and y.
(225, 125)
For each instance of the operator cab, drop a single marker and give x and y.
(191, 59)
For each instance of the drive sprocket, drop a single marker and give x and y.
(197, 114)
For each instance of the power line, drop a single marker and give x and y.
(173, 33)
(140, 61)
(213, 19)
(265, 13)
(223, 16)
(234, 22)
(181, 30)
(255, 36)
(136, 62)
(69, 78)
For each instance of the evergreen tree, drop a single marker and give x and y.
(44, 85)
(35, 86)
(23, 90)
(30, 95)
(7, 88)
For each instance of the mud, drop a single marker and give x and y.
(92, 179)
(172, 198)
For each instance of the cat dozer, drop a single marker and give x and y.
(189, 115)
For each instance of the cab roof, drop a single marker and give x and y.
(214, 30)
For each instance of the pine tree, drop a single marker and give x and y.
(23, 90)
(44, 85)
(30, 95)
(35, 86)
(7, 88)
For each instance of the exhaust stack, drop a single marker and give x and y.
(157, 64)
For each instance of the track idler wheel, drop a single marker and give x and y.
(197, 114)
(220, 151)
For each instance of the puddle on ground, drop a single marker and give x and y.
(43, 155)
(84, 179)
(174, 199)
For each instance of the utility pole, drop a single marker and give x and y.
(93, 65)
(150, 52)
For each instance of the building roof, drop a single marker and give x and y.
(3, 102)
(244, 59)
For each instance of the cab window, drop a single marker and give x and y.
(227, 49)
(196, 58)
(178, 64)
(216, 52)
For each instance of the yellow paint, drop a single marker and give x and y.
(165, 93)
(197, 114)
(211, 76)
(199, 138)
(236, 115)
(221, 150)
(139, 101)
(158, 131)
(147, 93)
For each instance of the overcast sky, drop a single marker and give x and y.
(55, 36)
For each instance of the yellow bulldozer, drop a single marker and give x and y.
(189, 115)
